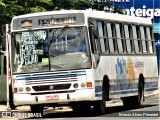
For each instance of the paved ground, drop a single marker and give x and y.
(27, 108)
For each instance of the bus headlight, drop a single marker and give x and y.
(28, 89)
(75, 85)
(20, 89)
(83, 84)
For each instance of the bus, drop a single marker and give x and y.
(82, 59)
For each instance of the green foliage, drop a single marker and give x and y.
(71, 4)
(83, 3)
(2, 4)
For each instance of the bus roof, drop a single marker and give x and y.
(93, 14)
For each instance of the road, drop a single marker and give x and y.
(149, 111)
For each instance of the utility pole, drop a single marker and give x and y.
(7, 62)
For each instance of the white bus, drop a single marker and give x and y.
(82, 59)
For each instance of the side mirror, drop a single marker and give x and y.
(96, 57)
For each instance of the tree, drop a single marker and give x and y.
(71, 4)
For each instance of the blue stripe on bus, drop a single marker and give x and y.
(128, 88)
(151, 84)
(132, 86)
(123, 92)
(123, 87)
(98, 89)
(49, 76)
(98, 95)
(151, 89)
(131, 91)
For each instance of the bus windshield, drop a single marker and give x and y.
(50, 49)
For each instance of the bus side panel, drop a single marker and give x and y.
(123, 73)
(151, 74)
(103, 68)
(125, 78)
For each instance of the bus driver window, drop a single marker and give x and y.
(78, 44)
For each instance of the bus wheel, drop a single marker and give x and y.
(135, 101)
(77, 109)
(37, 109)
(100, 107)
(83, 107)
(140, 98)
(105, 88)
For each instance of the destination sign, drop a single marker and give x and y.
(48, 20)
(53, 21)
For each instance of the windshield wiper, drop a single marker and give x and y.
(40, 40)
(57, 36)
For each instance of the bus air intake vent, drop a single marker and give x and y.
(51, 87)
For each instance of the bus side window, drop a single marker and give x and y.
(127, 39)
(142, 33)
(110, 38)
(119, 38)
(135, 39)
(150, 41)
(102, 37)
(95, 45)
(139, 38)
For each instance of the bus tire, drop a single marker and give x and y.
(100, 107)
(139, 99)
(81, 107)
(76, 109)
(105, 88)
(136, 101)
(37, 109)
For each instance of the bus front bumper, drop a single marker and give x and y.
(78, 95)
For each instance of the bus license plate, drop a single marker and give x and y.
(52, 97)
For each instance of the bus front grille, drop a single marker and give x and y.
(51, 87)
